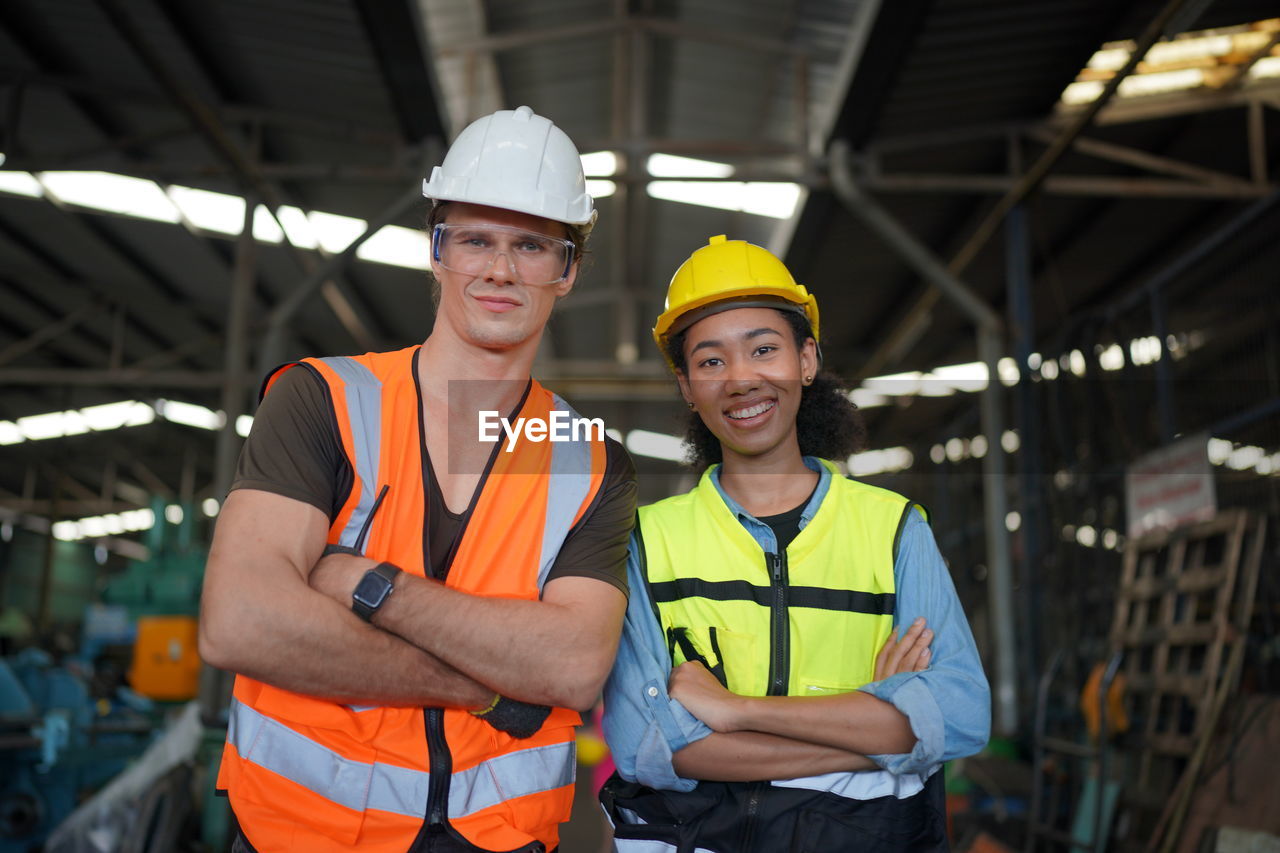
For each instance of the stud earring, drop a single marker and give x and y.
(690, 405)
(808, 379)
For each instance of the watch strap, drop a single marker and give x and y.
(339, 549)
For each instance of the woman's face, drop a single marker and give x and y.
(744, 375)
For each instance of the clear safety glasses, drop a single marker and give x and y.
(473, 249)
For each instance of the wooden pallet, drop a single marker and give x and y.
(1185, 598)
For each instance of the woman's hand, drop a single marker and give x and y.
(704, 697)
(910, 654)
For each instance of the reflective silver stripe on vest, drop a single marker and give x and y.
(646, 845)
(865, 785)
(363, 391)
(568, 485)
(516, 774)
(360, 785)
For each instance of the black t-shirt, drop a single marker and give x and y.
(786, 525)
(295, 451)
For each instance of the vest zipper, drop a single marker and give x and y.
(441, 768)
(749, 821)
(780, 626)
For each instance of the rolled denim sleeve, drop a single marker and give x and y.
(948, 704)
(643, 726)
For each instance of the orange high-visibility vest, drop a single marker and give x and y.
(308, 774)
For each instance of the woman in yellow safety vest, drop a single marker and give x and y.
(760, 700)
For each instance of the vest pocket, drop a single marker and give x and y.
(885, 824)
(810, 689)
(730, 656)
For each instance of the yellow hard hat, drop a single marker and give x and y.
(727, 274)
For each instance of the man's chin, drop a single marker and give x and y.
(496, 339)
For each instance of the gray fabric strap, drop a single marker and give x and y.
(569, 484)
(363, 393)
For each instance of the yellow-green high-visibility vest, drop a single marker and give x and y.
(804, 622)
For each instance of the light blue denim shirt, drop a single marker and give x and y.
(645, 727)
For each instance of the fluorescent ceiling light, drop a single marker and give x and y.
(1188, 50)
(244, 423)
(395, 244)
(763, 198)
(20, 183)
(94, 526)
(210, 211)
(297, 227)
(335, 232)
(871, 462)
(116, 415)
(265, 227)
(599, 164)
(601, 189)
(115, 193)
(189, 414)
(1108, 59)
(970, 377)
(864, 398)
(656, 445)
(1162, 81)
(1266, 67)
(673, 166)
(11, 433)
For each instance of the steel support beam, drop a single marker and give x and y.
(1027, 183)
(47, 333)
(990, 346)
(227, 112)
(497, 42)
(124, 376)
(1021, 300)
(284, 312)
(236, 352)
(1074, 185)
(1142, 159)
(1194, 255)
(207, 123)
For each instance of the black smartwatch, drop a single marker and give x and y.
(373, 590)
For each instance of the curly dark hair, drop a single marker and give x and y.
(828, 424)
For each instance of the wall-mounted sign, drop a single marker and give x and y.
(1170, 487)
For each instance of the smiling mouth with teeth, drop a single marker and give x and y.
(751, 411)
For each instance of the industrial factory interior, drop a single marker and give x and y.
(1045, 241)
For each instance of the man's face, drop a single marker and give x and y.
(744, 375)
(493, 308)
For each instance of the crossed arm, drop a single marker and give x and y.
(267, 615)
(784, 737)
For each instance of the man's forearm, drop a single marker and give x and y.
(856, 721)
(543, 652)
(259, 617)
(333, 655)
(754, 756)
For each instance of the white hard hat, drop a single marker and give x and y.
(516, 160)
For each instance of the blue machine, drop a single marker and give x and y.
(57, 742)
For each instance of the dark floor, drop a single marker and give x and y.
(586, 830)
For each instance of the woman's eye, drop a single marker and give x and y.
(765, 348)
(709, 362)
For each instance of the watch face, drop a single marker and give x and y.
(372, 590)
